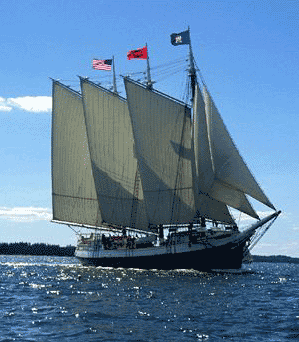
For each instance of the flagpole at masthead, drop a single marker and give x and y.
(192, 70)
(183, 38)
(149, 81)
(114, 78)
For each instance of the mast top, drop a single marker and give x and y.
(149, 83)
(114, 77)
(183, 38)
(192, 70)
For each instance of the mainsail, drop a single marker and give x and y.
(114, 165)
(74, 195)
(163, 147)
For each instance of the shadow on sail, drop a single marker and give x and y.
(111, 148)
(74, 197)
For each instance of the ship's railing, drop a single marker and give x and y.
(100, 241)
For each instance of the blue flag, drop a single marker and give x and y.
(180, 38)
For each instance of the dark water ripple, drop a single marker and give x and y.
(52, 298)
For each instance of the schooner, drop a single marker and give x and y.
(152, 177)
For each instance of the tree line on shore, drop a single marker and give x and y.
(25, 248)
(275, 258)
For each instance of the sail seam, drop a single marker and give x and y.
(171, 190)
(94, 199)
(84, 198)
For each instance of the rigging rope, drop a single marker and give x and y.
(259, 234)
(74, 230)
(160, 71)
(255, 238)
(200, 74)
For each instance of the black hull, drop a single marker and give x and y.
(224, 257)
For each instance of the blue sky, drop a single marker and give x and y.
(247, 52)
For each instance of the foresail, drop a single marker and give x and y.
(212, 209)
(232, 197)
(209, 205)
(73, 190)
(162, 134)
(114, 166)
(202, 154)
(205, 179)
(228, 164)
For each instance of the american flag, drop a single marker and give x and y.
(105, 64)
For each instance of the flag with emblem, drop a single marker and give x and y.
(180, 38)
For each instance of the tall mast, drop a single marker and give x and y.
(192, 71)
(148, 81)
(114, 78)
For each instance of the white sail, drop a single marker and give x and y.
(74, 195)
(114, 166)
(228, 164)
(205, 175)
(206, 178)
(232, 197)
(209, 206)
(162, 134)
(212, 209)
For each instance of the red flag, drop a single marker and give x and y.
(139, 53)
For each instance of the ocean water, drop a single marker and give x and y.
(57, 299)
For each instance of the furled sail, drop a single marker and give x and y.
(74, 195)
(114, 165)
(231, 172)
(206, 178)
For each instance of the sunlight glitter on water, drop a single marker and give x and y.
(66, 301)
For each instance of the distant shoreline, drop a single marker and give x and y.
(25, 248)
(275, 258)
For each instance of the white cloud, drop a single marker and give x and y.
(25, 214)
(5, 108)
(32, 103)
(36, 104)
